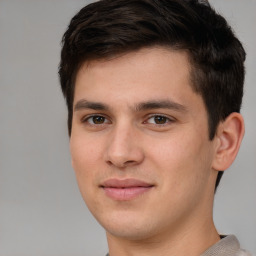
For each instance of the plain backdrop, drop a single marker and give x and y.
(41, 210)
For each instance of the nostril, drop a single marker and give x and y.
(121, 164)
(109, 162)
(129, 162)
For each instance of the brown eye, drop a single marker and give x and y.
(160, 119)
(96, 120)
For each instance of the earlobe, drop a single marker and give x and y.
(229, 137)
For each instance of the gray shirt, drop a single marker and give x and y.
(227, 246)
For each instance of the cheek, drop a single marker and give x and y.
(182, 159)
(185, 171)
(85, 161)
(85, 152)
(175, 150)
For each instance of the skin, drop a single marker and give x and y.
(172, 152)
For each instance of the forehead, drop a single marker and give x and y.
(146, 55)
(146, 74)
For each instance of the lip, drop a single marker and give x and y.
(124, 190)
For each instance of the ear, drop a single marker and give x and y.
(229, 136)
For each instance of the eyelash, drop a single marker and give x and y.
(168, 120)
(86, 119)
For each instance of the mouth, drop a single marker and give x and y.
(124, 190)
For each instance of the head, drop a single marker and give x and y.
(109, 31)
(106, 29)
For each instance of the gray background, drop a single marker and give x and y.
(41, 210)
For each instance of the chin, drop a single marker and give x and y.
(128, 227)
(131, 233)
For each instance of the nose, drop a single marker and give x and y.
(123, 147)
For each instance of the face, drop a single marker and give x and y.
(139, 144)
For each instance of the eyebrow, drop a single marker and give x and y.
(148, 105)
(157, 104)
(84, 104)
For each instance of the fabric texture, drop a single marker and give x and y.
(227, 246)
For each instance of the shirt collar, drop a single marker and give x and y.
(227, 246)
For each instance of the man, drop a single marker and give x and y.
(153, 90)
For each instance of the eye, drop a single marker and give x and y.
(158, 119)
(96, 120)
